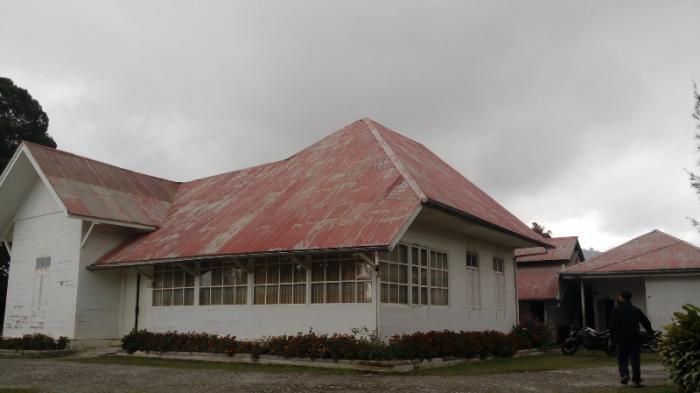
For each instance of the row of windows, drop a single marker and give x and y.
(409, 275)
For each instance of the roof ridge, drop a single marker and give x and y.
(638, 255)
(622, 244)
(57, 150)
(395, 160)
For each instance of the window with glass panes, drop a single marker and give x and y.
(439, 292)
(473, 281)
(499, 271)
(419, 275)
(279, 280)
(222, 283)
(393, 270)
(340, 278)
(173, 286)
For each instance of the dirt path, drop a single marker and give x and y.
(70, 377)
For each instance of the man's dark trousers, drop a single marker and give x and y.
(629, 351)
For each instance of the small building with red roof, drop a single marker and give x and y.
(365, 228)
(661, 271)
(539, 291)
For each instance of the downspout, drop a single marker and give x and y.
(583, 305)
(377, 293)
(138, 296)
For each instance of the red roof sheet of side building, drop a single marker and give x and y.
(538, 284)
(358, 187)
(654, 251)
(564, 248)
(89, 188)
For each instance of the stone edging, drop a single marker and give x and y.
(398, 366)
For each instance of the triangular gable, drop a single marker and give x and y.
(16, 182)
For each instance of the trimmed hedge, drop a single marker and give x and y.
(36, 342)
(532, 333)
(433, 344)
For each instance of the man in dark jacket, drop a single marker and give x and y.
(624, 330)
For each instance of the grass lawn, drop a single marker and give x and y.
(548, 362)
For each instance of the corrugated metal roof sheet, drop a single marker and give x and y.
(441, 183)
(564, 248)
(94, 189)
(356, 188)
(538, 284)
(654, 251)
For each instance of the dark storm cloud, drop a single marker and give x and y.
(575, 115)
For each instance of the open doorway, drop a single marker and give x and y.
(604, 310)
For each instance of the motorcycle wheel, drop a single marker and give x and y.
(569, 348)
(653, 346)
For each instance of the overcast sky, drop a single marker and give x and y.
(576, 116)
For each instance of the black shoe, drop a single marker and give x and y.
(637, 384)
(625, 380)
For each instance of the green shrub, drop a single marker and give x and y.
(420, 345)
(35, 342)
(680, 349)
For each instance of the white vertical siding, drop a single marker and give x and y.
(99, 296)
(664, 296)
(41, 230)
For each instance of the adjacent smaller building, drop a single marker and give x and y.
(663, 273)
(539, 292)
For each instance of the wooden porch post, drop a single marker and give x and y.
(583, 304)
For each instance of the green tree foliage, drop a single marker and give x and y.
(680, 349)
(21, 119)
(541, 230)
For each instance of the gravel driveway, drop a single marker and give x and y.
(48, 375)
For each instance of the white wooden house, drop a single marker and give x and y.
(364, 229)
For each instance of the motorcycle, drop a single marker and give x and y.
(590, 339)
(593, 340)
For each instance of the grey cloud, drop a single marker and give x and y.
(526, 99)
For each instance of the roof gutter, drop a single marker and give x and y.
(456, 212)
(117, 265)
(632, 274)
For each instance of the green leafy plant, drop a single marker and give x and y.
(35, 342)
(680, 349)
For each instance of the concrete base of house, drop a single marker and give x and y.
(395, 366)
(50, 353)
(88, 344)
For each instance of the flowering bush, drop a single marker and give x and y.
(420, 345)
(34, 342)
(171, 341)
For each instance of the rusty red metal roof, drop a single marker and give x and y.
(357, 188)
(654, 251)
(564, 249)
(538, 284)
(442, 185)
(93, 189)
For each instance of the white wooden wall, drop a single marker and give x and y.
(397, 318)
(664, 296)
(41, 230)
